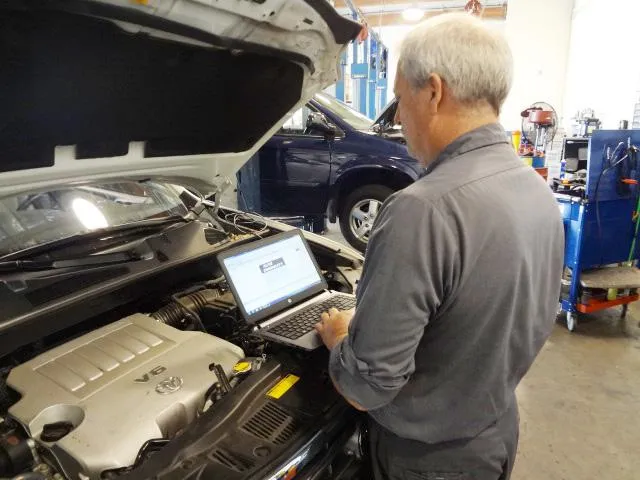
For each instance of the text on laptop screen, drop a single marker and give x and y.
(272, 273)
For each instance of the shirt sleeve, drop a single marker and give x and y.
(411, 264)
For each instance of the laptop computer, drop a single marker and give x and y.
(279, 288)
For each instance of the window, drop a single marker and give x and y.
(297, 124)
(354, 118)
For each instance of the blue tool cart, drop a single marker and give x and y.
(599, 200)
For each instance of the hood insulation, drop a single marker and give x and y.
(74, 80)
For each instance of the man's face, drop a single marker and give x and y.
(414, 116)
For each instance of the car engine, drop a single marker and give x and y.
(94, 402)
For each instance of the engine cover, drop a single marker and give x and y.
(119, 386)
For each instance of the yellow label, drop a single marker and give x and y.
(283, 386)
(242, 367)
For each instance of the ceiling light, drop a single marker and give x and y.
(412, 14)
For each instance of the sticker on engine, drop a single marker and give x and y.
(283, 386)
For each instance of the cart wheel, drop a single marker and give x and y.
(625, 309)
(572, 321)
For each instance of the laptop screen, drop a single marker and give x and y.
(271, 274)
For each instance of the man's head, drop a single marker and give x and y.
(453, 76)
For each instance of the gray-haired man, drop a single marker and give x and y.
(462, 272)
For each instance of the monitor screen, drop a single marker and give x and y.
(271, 273)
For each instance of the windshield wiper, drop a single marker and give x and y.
(95, 261)
(111, 233)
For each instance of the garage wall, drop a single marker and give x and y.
(539, 34)
(603, 69)
(392, 37)
(540, 60)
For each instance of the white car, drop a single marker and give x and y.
(124, 350)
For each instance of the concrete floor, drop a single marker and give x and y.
(580, 402)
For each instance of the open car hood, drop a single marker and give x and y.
(386, 117)
(181, 90)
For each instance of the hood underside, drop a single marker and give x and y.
(182, 90)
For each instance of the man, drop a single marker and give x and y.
(462, 272)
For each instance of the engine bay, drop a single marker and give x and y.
(189, 378)
(153, 375)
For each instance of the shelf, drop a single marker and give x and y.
(611, 277)
(597, 305)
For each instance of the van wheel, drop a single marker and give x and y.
(359, 211)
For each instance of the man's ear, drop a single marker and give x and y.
(434, 89)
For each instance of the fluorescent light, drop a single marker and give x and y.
(89, 215)
(412, 14)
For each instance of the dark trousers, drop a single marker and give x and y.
(489, 456)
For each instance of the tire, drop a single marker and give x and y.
(355, 219)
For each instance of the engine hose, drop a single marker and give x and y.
(174, 315)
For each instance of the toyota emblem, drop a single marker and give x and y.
(169, 385)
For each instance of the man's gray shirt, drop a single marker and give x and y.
(458, 294)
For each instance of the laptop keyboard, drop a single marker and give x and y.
(303, 322)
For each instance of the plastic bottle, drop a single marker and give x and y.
(563, 168)
(516, 138)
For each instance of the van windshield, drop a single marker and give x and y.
(341, 110)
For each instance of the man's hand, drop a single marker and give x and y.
(334, 326)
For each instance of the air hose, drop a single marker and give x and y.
(636, 215)
(635, 233)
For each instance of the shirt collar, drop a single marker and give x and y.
(480, 137)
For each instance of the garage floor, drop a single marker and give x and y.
(580, 404)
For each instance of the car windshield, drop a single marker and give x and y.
(32, 219)
(357, 120)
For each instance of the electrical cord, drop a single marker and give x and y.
(636, 219)
(232, 219)
(246, 219)
(608, 158)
